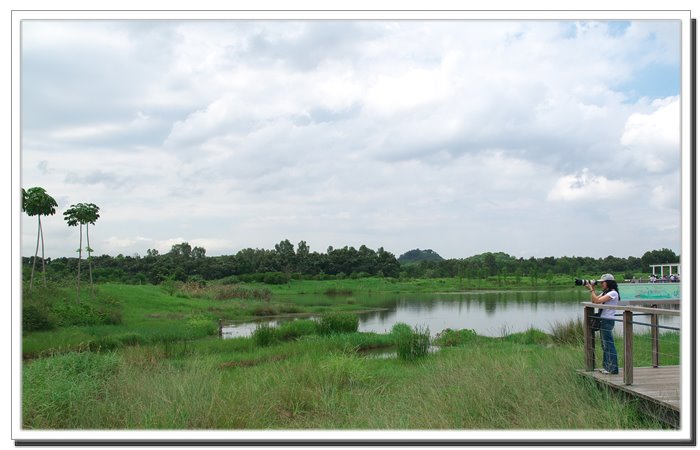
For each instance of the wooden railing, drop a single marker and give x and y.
(628, 333)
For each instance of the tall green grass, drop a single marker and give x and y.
(338, 322)
(410, 343)
(323, 382)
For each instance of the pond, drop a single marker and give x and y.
(489, 313)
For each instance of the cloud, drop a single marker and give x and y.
(584, 186)
(108, 179)
(664, 198)
(652, 140)
(349, 132)
(115, 244)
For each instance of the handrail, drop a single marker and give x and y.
(628, 333)
(642, 309)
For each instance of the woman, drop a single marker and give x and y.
(609, 296)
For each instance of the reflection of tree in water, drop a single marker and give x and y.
(484, 307)
(383, 316)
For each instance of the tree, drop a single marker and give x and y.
(36, 202)
(181, 250)
(199, 252)
(286, 258)
(83, 214)
(663, 256)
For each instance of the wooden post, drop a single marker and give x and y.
(588, 339)
(221, 332)
(654, 339)
(628, 336)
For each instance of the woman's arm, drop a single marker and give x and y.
(596, 298)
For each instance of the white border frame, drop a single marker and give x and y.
(683, 14)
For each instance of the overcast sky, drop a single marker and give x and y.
(534, 138)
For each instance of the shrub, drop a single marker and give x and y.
(296, 329)
(412, 344)
(109, 315)
(230, 291)
(193, 289)
(449, 337)
(35, 318)
(529, 337)
(170, 285)
(275, 278)
(265, 335)
(68, 313)
(231, 279)
(200, 326)
(400, 328)
(338, 323)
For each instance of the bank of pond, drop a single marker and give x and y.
(139, 357)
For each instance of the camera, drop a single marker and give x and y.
(579, 282)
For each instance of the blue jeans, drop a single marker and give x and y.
(606, 339)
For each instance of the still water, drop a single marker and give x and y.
(489, 313)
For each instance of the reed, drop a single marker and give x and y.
(338, 322)
(411, 343)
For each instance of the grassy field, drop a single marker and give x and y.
(129, 314)
(148, 314)
(149, 359)
(378, 284)
(322, 382)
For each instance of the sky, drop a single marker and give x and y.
(533, 138)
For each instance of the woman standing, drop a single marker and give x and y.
(609, 296)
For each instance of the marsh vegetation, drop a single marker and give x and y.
(140, 357)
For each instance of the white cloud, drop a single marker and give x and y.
(394, 133)
(662, 197)
(652, 140)
(115, 245)
(584, 186)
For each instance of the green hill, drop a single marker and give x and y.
(418, 255)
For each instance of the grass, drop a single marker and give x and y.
(149, 314)
(347, 287)
(161, 367)
(322, 382)
(410, 343)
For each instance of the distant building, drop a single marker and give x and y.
(674, 270)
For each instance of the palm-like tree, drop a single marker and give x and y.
(83, 214)
(36, 202)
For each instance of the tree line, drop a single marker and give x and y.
(502, 264)
(285, 261)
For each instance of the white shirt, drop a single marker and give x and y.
(614, 300)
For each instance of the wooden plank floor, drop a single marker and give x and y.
(661, 385)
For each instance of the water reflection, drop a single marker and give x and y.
(488, 313)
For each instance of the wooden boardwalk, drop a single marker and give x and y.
(660, 386)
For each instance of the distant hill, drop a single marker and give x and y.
(418, 255)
